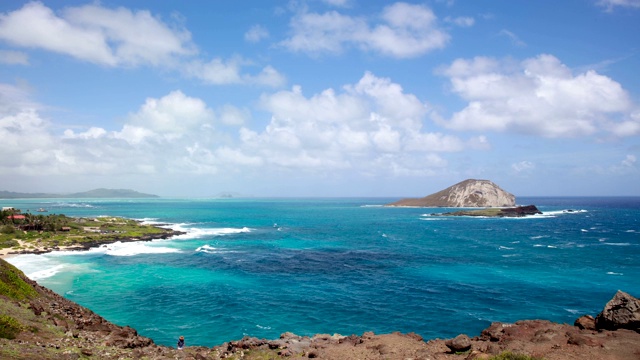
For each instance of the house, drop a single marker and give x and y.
(15, 217)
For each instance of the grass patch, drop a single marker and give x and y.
(9, 327)
(12, 284)
(508, 355)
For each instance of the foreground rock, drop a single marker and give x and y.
(468, 193)
(621, 312)
(36, 323)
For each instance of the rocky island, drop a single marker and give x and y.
(468, 193)
(518, 211)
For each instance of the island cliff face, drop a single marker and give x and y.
(468, 193)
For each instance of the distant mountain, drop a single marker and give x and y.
(468, 193)
(96, 193)
(111, 193)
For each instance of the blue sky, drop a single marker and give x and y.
(320, 97)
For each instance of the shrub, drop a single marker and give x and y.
(508, 355)
(9, 327)
(7, 243)
(7, 229)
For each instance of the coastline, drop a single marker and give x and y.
(61, 329)
(86, 245)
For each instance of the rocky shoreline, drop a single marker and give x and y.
(90, 244)
(518, 211)
(47, 326)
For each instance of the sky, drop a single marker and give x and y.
(320, 97)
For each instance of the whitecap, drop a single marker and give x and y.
(584, 230)
(573, 311)
(538, 245)
(538, 237)
(263, 327)
(614, 273)
(46, 273)
(551, 247)
(195, 232)
(505, 248)
(616, 244)
(630, 231)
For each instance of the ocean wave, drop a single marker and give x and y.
(73, 205)
(614, 273)
(195, 232)
(505, 248)
(547, 246)
(45, 273)
(616, 244)
(212, 250)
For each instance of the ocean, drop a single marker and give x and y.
(262, 267)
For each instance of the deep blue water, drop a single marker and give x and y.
(261, 267)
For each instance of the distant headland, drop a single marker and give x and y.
(91, 194)
(468, 193)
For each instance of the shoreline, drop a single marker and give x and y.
(6, 253)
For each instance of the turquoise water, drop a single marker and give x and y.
(261, 267)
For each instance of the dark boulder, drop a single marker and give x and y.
(459, 343)
(621, 312)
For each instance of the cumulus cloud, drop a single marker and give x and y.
(537, 96)
(174, 114)
(123, 38)
(403, 31)
(369, 127)
(111, 37)
(371, 122)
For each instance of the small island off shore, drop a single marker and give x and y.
(36, 323)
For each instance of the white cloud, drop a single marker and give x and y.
(92, 133)
(97, 34)
(13, 57)
(515, 40)
(611, 4)
(405, 31)
(175, 114)
(461, 21)
(338, 3)
(538, 96)
(523, 166)
(256, 33)
(220, 72)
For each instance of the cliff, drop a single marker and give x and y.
(468, 193)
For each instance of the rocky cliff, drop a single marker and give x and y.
(468, 193)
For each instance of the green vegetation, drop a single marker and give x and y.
(29, 232)
(9, 327)
(508, 355)
(12, 284)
